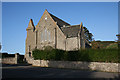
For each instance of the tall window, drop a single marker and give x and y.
(49, 36)
(45, 35)
(42, 36)
(29, 48)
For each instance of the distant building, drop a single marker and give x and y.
(54, 32)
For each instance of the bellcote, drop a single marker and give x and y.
(30, 25)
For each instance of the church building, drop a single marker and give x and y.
(54, 32)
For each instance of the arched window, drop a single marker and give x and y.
(29, 48)
(49, 36)
(45, 35)
(42, 36)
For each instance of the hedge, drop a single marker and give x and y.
(103, 44)
(89, 55)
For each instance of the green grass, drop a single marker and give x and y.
(112, 46)
(95, 55)
(104, 44)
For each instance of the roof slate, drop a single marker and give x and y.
(71, 31)
(60, 22)
(68, 30)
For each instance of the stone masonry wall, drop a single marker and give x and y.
(10, 60)
(100, 66)
(71, 44)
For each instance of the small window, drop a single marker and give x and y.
(29, 48)
(29, 54)
(45, 18)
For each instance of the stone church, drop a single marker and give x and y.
(54, 32)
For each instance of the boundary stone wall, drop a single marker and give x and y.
(8, 59)
(99, 66)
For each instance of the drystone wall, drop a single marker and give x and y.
(8, 59)
(99, 66)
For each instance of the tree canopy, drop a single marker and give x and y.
(88, 35)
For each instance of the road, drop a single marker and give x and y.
(28, 71)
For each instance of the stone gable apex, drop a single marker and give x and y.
(45, 12)
(31, 25)
(52, 20)
(67, 29)
(57, 20)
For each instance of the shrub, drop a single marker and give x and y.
(95, 55)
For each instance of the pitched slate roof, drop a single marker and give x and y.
(60, 22)
(71, 31)
(68, 30)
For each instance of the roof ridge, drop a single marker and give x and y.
(75, 25)
(69, 26)
(58, 18)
